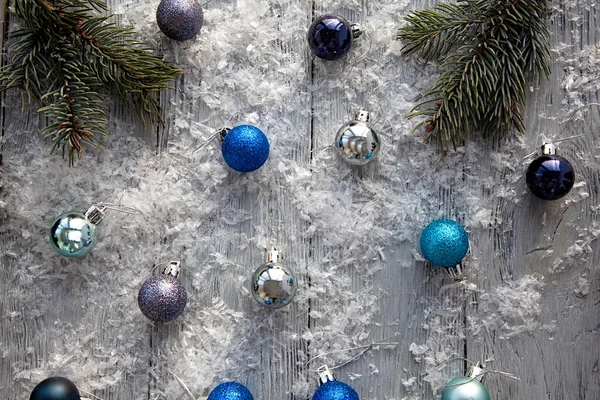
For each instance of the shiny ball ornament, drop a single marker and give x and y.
(74, 234)
(273, 285)
(179, 19)
(465, 388)
(245, 148)
(330, 37)
(230, 391)
(162, 298)
(357, 142)
(444, 243)
(335, 390)
(55, 388)
(550, 176)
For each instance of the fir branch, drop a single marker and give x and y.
(68, 60)
(488, 49)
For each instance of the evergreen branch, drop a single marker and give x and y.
(487, 50)
(68, 60)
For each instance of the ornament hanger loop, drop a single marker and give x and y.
(88, 393)
(172, 268)
(183, 385)
(363, 348)
(571, 118)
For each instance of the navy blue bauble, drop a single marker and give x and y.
(55, 388)
(330, 37)
(335, 390)
(230, 391)
(245, 148)
(444, 243)
(550, 177)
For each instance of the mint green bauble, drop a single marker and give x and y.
(73, 235)
(465, 388)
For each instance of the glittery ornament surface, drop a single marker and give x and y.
(73, 235)
(230, 391)
(550, 177)
(465, 388)
(245, 148)
(179, 19)
(335, 390)
(162, 298)
(330, 37)
(444, 243)
(55, 388)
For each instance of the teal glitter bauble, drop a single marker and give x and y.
(230, 391)
(73, 235)
(335, 390)
(444, 243)
(465, 388)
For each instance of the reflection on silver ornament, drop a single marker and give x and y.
(357, 142)
(273, 285)
(74, 234)
(179, 19)
(162, 297)
(467, 387)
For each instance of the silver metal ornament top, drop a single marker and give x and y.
(95, 214)
(456, 272)
(325, 375)
(548, 149)
(273, 256)
(173, 269)
(357, 30)
(476, 372)
(357, 142)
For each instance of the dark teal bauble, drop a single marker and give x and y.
(230, 391)
(55, 388)
(465, 388)
(335, 390)
(73, 235)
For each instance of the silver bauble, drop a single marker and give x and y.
(273, 285)
(357, 141)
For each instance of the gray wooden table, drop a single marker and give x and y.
(530, 304)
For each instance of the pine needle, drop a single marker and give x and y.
(69, 60)
(488, 50)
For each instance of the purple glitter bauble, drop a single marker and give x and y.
(179, 19)
(162, 298)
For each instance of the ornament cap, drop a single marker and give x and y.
(95, 214)
(325, 375)
(357, 30)
(548, 148)
(456, 272)
(362, 115)
(173, 269)
(222, 132)
(273, 256)
(476, 372)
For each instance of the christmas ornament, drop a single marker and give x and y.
(230, 391)
(330, 36)
(179, 19)
(445, 243)
(162, 298)
(467, 387)
(550, 176)
(273, 285)
(74, 234)
(357, 141)
(332, 389)
(55, 388)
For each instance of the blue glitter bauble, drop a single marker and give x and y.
(335, 390)
(55, 388)
(73, 235)
(330, 37)
(179, 19)
(444, 243)
(550, 177)
(465, 388)
(162, 298)
(245, 148)
(230, 391)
